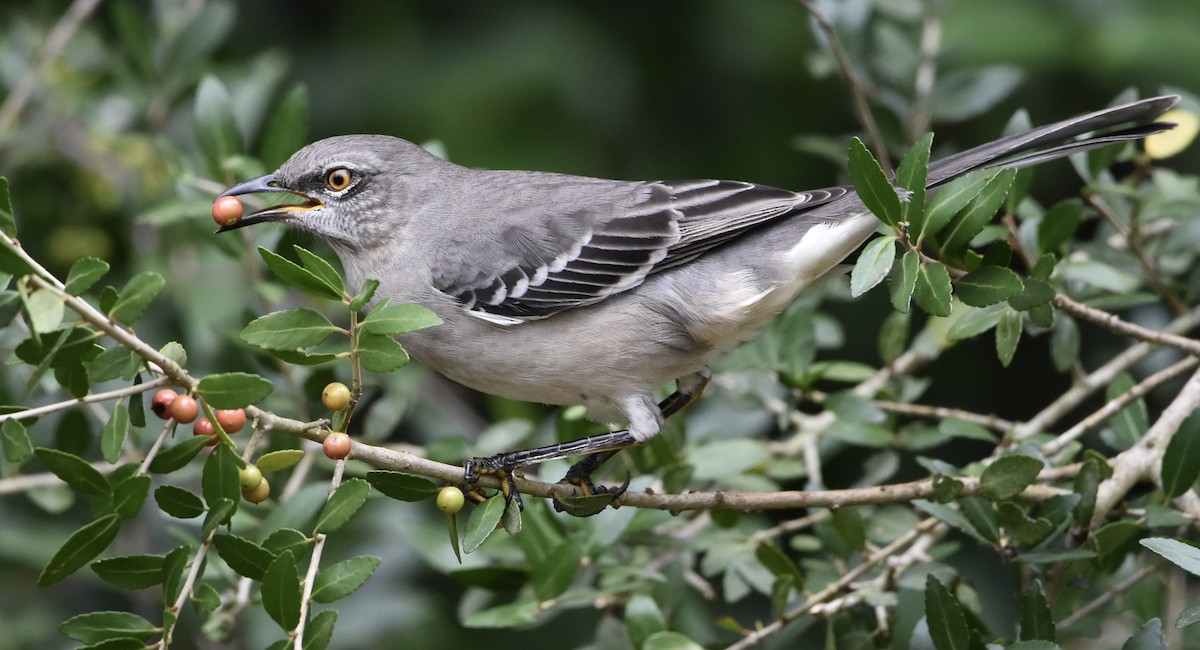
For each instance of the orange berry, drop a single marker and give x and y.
(259, 493)
(184, 409)
(336, 396)
(227, 210)
(337, 445)
(204, 427)
(162, 402)
(231, 420)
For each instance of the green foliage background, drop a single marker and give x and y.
(104, 161)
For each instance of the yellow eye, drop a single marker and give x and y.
(338, 179)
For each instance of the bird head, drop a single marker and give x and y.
(352, 190)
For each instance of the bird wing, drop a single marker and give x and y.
(546, 258)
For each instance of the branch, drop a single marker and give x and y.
(838, 585)
(1116, 324)
(1138, 462)
(854, 83)
(86, 399)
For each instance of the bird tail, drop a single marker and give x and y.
(1053, 141)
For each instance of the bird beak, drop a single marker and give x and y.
(268, 183)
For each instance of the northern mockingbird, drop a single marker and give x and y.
(565, 290)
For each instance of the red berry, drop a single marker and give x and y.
(162, 402)
(231, 420)
(336, 396)
(227, 210)
(184, 409)
(204, 427)
(259, 493)
(337, 445)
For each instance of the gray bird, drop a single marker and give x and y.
(563, 289)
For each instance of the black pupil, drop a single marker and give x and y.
(339, 179)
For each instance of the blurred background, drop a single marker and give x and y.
(103, 161)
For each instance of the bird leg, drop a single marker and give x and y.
(599, 449)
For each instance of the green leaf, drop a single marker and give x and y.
(220, 477)
(873, 265)
(343, 505)
(17, 445)
(290, 329)
(8, 225)
(872, 184)
(130, 571)
(1036, 620)
(244, 556)
(281, 591)
(279, 460)
(1008, 476)
(379, 353)
(216, 129)
(319, 630)
(1065, 343)
(555, 575)
(134, 299)
(1181, 462)
(1113, 542)
(978, 213)
(947, 624)
(1181, 554)
(298, 277)
(75, 472)
(643, 618)
(287, 539)
(1130, 423)
(1188, 617)
(344, 578)
(233, 390)
(1059, 224)
(932, 290)
(175, 352)
(205, 599)
(912, 175)
(398, 319)
(510, 615)
(178, 502)
(1148, 637)
(174, 566)
(323, 270)
(286, 129)
(949, 200)
(95, 627)
(904, 280)
(1034, 293)
(44, 311)
(482, 522)
(220, 512)
(987, 286)
(778, 563)
(84, 273)
(974, 322)
(1008, 335)
(130, 494)
(398, 485)
(364, 296)
(176, 457)
(112, 440)
(80, 548)
(982, 517)
(670, 640)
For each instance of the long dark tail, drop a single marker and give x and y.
(1055, 140)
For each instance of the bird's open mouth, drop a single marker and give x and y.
(283, 212)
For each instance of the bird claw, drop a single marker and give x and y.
(495, 466)
(593, 499)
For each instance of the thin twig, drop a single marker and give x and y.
(1107, 595)
(1121, 401)
(314, 563)
(55, 43)
(838, 585)
(1117, 324)
(86, 399)
(854, 83)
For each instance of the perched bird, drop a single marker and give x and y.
(563, 289)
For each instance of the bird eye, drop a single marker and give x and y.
(338, 179)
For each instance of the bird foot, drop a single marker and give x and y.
(593, 499)
(499, 467)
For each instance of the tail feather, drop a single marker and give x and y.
(1052, 141)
